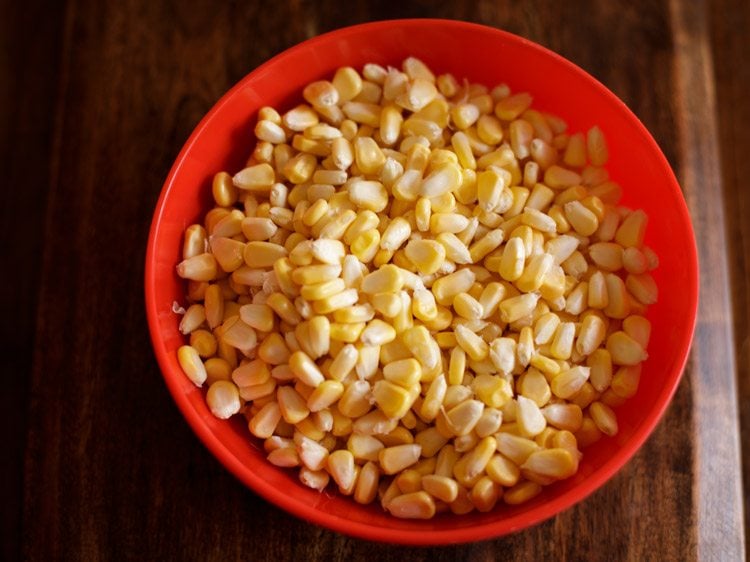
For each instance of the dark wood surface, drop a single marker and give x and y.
(96, 100)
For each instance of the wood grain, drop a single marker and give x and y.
(26, 115)
(719, 501)
(110, 469)
(730, 41)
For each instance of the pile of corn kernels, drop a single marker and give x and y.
(419, 291)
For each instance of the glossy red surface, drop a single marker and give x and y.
(222, 141)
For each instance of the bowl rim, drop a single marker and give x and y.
(484, 531)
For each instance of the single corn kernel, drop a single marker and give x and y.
(415, 505)
(556, 463)
(604, 418)
(191, 364)
(624, 349)
(397, 458)
(642, 287)
(563, 416)
(426, 255)
(195, 241)
(474, 346)
(567, 383)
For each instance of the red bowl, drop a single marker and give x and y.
(223, 140)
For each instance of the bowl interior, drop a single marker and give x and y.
(224, 139)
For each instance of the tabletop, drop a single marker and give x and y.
(96, 99)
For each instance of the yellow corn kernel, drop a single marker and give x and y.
(533, 385)
(195, 241)
(564, 416)
(387, 304)
(259, 177)
(515, 308)
(447, 287)
(377, 332)
(489, 242)
(493, 390)
(264, 422)
(575, 152)
(511, 107)
(392, 399)
(514, 447)
(604, 418)
(367, 483)
(472, 464)
(491, 184)
(474, 346)
(236, 333)
(600, 363)
(263, 254)
(632, 230)
(457, 366)
(583, 221)
(395, 234)
(337, 226)
(431, 441)
(342, 154)
(354, 314)
(191, 364)
(607, 255)
(404, 372)
(467, 306)
(305, 369)
(292, 405)
(203, 342)
(597, 147)
(366, 246)
(327, 251)
(313, 274)
(642, 287)
(415, 505)
(618, 301)
(365, 221)
(397, 458)
(462, 418)
(591, 334)
(348, 333)
(556, 463)
(588, 433)
(354, 402)
(326, 289)
(634, 261)
(423, 305)
(282, 306)
(567, 383)
(300, 118)
(598, 297)
(625, 382)
(223, 399)
(624, 349)
(273, 350)
(312, 454)
(426, 255)
(202, 267)
(529, 417)
(386, 279)
(343, 363)
(368, 195)
(217, 369)
(638, 328)
(433, 399)
(562, 343)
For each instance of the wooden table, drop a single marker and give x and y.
(97, 98)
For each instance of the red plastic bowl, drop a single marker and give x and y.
(223, 140)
